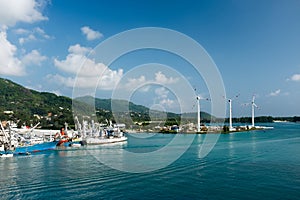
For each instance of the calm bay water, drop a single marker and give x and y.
(249, 165)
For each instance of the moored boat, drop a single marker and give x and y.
(13, 143)
(35, 148)
(104, 140)
(6, 155)
(95, 133)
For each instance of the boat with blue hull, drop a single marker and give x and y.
(33, 148)
(36, 148)
(12, 142)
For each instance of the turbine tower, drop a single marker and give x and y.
(230, 114)
(230, 111)
(253, 107)
(198, 113)
(199, 98)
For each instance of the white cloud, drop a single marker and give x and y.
(22, 41)
(41, 32)
(158, 79)
(90, 34)
(34, 35)
(76, 61)
(61, 80)
(21, 31)
(77, 49)
(9, 63)
(275, 93)
(167, 102)
(163, 99)
(14, 11)
(29, 38)
(295, 77)
(104, 83)
(162, 92)
(162, 79)
(135, 82)
(34, 58)
(88, 72)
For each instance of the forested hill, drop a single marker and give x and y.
(29, 106)
(116, 104)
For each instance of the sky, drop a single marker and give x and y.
(255, 45)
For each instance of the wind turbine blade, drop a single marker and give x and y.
(253, 98)
(236, 96)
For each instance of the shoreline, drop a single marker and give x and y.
(219, 130)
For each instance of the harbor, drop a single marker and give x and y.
(151, 100)
(28, 140)
(262, 159)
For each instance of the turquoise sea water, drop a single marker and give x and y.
(249, 165)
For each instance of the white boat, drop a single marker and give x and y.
(105, 136)
(6, 155)
(104, 140)
(1, 147)
(75, 145)
(13, 143)
(94, 133)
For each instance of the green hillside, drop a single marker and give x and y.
(124, 111)
(129, 112)
(116, 104)
(26, 106)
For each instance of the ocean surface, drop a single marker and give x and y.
(245, 165)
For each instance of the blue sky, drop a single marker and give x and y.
(255, 45)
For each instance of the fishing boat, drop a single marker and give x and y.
(94, 133)
(28, 149)
(95, 141)
(14, 143)
(6, 155)
(111, 135)
(104, 140)
(68, 138)
(70, 142)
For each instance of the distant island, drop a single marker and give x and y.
(25, 106)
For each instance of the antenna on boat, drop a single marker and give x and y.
(2, 129)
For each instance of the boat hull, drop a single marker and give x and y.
(36, 148)
(8, 155)
(97, 140)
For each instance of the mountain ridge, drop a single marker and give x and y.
(27, 106)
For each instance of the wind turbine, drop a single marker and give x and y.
(198, 98)
(198, 113)
(230, 114)
(253, 107)
(230, 111)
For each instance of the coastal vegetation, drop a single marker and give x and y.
(28, 107)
